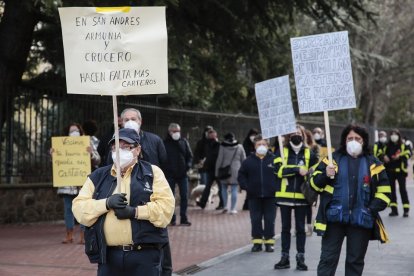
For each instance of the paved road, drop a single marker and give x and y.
(394, 258)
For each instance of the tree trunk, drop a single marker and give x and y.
(16, 31)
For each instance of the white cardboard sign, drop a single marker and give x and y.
(323, 72)
(115, 50)
(275, 107)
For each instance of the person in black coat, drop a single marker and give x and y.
(200, 154)
(209, 166)
(257, 178)
(179, 162)
(249, 148)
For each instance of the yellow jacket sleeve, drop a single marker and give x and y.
(160, 209)
(86, 209)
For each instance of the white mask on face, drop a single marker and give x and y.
(132, 125)
(74, 133)
(317, 136)
(394, 138)
(252, 138)
(125, 157)
(261, 150)
(353, 148)
(383, 140)
(176, 136)
(296, 148)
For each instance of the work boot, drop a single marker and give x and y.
(283, 263)
(300, 262)
(257, 247)
(69, 236)
(81, 237)
(394, 212)
(269, 248)
(405, 215)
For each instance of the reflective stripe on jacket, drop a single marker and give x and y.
(288, 178)
(379, 194)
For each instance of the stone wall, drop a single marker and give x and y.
(26, 203)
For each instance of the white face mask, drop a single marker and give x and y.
(132, 125)
(125, 157)
(317, 136)
(353, 148)
(394, 138)
(176, 136)
(74, 133)
(261, 150)
(383, 140)
(296, 147)
(252, 138)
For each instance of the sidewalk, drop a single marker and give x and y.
(216, 244)
(36, 249)
(394, 258)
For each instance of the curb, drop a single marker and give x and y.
(216, 260)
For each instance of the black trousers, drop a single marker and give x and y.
(300, 214)
(357, 240)
(400, 177)
(262, 217)
(146, 262)
(206, 191)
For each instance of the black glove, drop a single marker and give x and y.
(126, 213)
(116, 201)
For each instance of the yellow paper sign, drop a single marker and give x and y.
(71, 160)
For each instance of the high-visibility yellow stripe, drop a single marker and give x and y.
(277, 160)
(257, 241)
(290, 195)
(313, 185)
(329, 189)
(113, 9)
(383, 197)
(283, 185)
(270, 241)
(376, 169)
(320, 226)
(384, 189)
(393, 204)
(406, 205)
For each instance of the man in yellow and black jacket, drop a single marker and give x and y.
(352, 192)
(378, 148)
(290, 175)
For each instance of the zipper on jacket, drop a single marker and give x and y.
(261, 176)
(294, 180)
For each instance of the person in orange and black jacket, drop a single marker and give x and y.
(396, 155)
(257, 178)
(291, 172)
(352, 192)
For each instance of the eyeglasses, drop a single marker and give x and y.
(124, 147)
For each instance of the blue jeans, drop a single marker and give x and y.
(183, 187)
(67, 207)
(234, 188)
(203, 178)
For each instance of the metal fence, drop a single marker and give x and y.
(36, 116)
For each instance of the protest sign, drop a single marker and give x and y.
(275, 107)
(323, 72)
(115, 51)
(71, 160)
